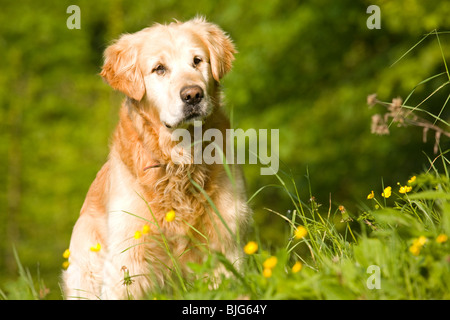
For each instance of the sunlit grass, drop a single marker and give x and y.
(404, 237)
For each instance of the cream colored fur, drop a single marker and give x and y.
(117, 203)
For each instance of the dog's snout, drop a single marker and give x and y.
(191, 94)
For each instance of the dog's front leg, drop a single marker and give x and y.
(83, 277)
(126, 269)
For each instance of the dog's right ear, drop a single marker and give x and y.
(121, 68)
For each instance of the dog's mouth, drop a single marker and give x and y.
(188, 120)
(193, 116)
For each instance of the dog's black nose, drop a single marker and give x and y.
(191, 95)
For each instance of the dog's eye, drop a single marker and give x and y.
(196, 61)
(159, 69)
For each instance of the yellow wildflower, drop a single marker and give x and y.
(251, 247)
(420, 241)
(412, 180)
(387, 192)
(405, 189)
(137, 234)
(66, 254)
(145, 229)
(297, 267)
(441, 238)
(170, 216)
(267, 273)
(300, 232)
(96, 248)
(417, 245)
(65, 264)
(371, 195)
(270, 263)
(415, 250)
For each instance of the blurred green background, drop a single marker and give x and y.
(303, 67)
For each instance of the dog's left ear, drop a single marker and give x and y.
(221, 48)
(121, 68)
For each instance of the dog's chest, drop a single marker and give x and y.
(169, 189)
(180, 190)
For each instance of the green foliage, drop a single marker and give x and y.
(334, 266)
(304, 68)
(25, 287)
(339, 267)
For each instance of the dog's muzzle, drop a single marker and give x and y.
(193, 105)
(192, 97)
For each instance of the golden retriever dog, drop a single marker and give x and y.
(124, 243)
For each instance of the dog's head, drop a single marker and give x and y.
(174, 67)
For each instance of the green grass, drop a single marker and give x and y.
(25, 287)
(372, 251)
(375, 254)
